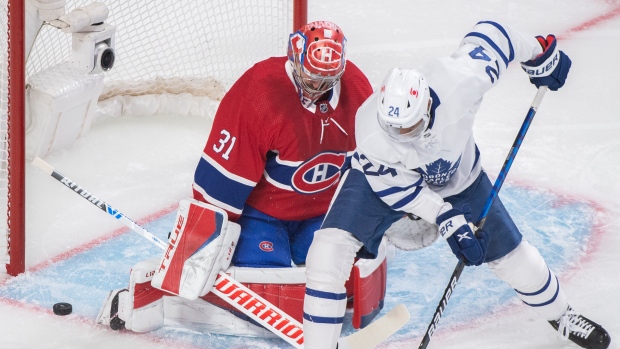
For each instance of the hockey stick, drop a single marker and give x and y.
(244, 299)
(456, 274)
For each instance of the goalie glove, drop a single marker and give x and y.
(201, 245)
(551, 67)
(411, 233)
(455, 226)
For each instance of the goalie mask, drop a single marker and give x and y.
(317, 55)
(404, 105)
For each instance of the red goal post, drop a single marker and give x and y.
(163, 47)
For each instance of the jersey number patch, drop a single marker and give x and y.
(382, 170)
(478, 53)
(223, 144)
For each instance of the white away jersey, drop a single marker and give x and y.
(415, 176)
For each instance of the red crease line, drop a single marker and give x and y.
(613, 13)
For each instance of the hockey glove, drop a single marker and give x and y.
(551, 67)
(455, 227)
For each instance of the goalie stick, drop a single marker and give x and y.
(244, 299)
(456, 274)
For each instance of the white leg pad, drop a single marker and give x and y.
(328, 267)
(525, 270)
(201, 316)
(147, 317)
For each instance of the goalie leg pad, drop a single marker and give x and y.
(369, 287)
(202, 316)
(525, 270)
(328, 267)
(282, 287)
(201, 245)
(138, 308)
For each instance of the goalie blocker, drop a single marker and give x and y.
(200, 246)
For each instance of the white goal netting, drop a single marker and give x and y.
(187, 48)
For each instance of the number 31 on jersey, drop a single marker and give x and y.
(223, 143)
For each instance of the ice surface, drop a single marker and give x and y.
(562, 189)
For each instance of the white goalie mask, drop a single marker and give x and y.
(404, 105)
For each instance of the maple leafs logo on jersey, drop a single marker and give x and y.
(439, 172)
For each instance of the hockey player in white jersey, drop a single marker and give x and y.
(416, 155)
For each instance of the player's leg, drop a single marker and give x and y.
(142, 308)
(368, 277)
(263, 242)
(512, 259)
(536, 285)
(139, 307)
(354, 225)
(301, 234)
(199, 248)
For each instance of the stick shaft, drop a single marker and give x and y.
(47, 168)
(456, 274)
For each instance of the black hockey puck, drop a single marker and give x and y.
(62, 308)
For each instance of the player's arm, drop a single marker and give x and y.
(405, 190)
(490, 47)
(400, 188)
(233, 159)
(487, 51)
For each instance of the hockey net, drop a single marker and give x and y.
(194, 48)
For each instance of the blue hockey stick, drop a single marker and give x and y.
(483, 215)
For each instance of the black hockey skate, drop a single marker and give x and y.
(108, 315)
(581, 330)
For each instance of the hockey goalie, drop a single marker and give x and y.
(280, 141)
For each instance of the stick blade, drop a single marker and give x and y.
(379, 330)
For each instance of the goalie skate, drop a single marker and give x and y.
(581, 330)
(108, 314)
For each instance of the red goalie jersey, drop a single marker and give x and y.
(267, 151)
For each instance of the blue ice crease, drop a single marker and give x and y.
(558, 228)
